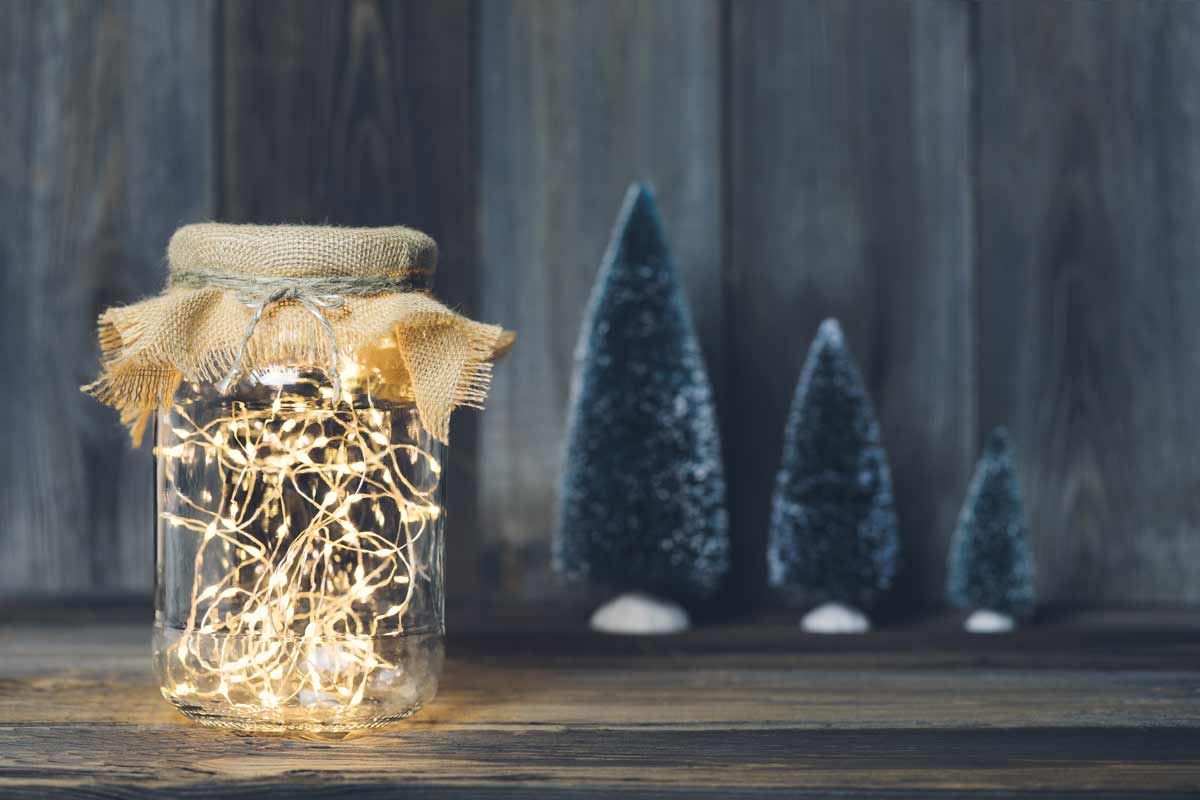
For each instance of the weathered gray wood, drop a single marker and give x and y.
(104, 109)
(1089, 194)
(365, 114)
(849, 178)
(812, 159)
(1076, 708)
(578, 100)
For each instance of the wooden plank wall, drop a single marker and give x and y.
(1089, 277)
(996, 200)
(106, 146)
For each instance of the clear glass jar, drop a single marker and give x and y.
(299, 554)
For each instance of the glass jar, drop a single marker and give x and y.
(299, 554)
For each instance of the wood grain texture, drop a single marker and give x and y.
(850, 198)
(1089, 159)
(579, 99)
(996, 199)
(106, 149)
(719, 712)
(364, 114)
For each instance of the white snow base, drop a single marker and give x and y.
(985, 621)
(640, 614)
(835, 618)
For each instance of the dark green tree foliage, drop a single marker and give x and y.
(990, 564)
(833, 520)
(643, 492)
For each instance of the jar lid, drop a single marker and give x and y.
(244, 298)
(304, 251)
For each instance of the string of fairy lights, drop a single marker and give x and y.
(306, 517)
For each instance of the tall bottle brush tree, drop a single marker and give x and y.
(990, 567)
(643, 491)
(833, 530)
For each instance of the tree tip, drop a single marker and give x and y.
(831, 331)
(640, 191)
(639, 206)
(999, 441)
(638, 233)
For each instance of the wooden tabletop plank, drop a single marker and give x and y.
(1080, 707)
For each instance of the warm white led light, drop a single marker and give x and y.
(304, 554)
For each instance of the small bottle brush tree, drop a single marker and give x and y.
(643, 492)
(833, 521)
(990, 568)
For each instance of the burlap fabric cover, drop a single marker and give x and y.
(193, 331)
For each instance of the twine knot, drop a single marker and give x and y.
(317, 295)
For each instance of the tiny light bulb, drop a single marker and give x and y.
(286, 481)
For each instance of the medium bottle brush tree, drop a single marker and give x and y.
(990, 567)
(643, 493)
(833, 530)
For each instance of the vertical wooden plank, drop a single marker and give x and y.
(1089, 196)
(851, 197)
(579, 99)
(105, 111)
(365, 113)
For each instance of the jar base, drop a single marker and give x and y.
(329, 691)
(316, 732)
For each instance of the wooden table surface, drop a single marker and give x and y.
(1100, 705)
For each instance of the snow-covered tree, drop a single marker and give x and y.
(833, 530)
(990, 567)
(643, 492)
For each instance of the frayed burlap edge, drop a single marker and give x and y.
(440, 349)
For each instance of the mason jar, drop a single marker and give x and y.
(299, 553)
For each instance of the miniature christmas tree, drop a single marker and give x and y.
(643, 492)
(990, 569)
(833, 522)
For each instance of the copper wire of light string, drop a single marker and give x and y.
(302, 630)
